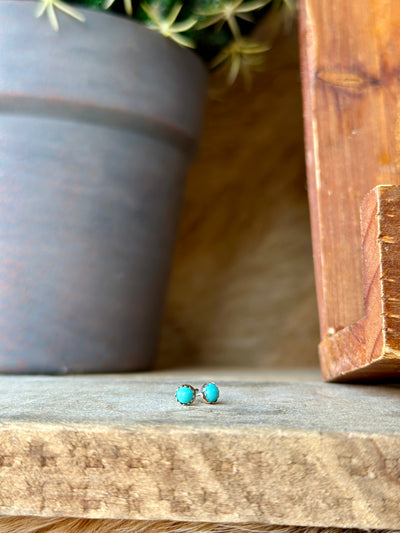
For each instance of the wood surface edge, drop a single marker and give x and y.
(307, 72)
(369, 348)
(276, 476)
(385, 367)
(342, 352)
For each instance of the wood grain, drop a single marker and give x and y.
(351, 94)
(120, 446)
(371, 347)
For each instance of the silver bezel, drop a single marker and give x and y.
(203, 396)
(195, 391)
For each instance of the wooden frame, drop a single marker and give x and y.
(351, 96)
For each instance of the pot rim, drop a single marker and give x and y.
(164, 82)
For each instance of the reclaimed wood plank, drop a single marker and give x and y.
(351, 94)
(271, 451)
(371, 346)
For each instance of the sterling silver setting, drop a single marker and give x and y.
(203, 394)
(186, 385)
(207, 396)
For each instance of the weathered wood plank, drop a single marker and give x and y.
(371, 346)
(306, 453)
(351, 92)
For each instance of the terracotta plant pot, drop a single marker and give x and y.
(98, 127)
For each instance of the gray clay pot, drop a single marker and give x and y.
(98, 125)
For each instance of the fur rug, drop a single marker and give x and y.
(242, 286)
(72, 525)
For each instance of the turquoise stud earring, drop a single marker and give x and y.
(209, 392)
(186, 394)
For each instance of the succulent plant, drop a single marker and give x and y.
(216, 29)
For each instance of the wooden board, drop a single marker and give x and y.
(293, 452)
(351, 92)
(370, 347)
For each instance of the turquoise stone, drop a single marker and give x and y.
(185, 395)
(210, 392)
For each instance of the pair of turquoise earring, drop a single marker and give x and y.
(186, 394)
